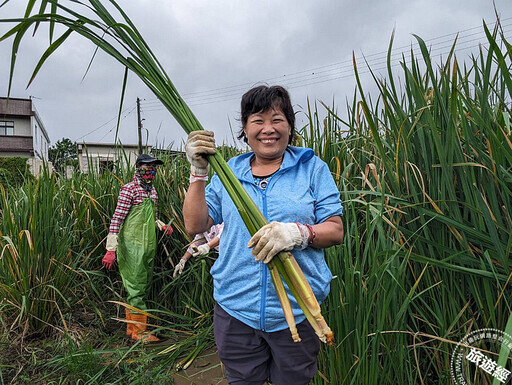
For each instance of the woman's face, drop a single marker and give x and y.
(268, 134)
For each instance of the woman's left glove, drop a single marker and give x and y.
(273, 238)
(168, 229)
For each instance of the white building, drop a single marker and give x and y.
(97, 157)
(22, 132)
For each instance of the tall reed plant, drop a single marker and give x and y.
(425, 175)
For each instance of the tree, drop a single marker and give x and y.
(14, 170)
(63, 153)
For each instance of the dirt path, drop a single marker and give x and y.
(205, 370)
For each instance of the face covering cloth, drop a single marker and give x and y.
(146, 175)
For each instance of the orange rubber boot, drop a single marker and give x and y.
(129, 326)
(140, 329)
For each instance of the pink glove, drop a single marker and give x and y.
(168, 229)
(108, 259)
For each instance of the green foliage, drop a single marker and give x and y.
(14, 171)
(425, 178)
(64, 153)
(121, 40)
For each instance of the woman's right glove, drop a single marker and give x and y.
(110, 256)
(199, 144)
(178, 269)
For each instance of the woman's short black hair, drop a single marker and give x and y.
(262, 99)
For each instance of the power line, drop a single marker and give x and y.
(109, 121)
(325, 76)
(373, 62)
(323, 73)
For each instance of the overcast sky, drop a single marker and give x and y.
(214, 51)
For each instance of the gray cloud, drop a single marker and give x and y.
(214, 51)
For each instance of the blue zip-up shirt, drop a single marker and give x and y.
(302, 191)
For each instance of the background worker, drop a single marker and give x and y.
(132, 235)
(295, 191)
(201, 245)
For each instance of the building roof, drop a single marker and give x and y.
(15, 106)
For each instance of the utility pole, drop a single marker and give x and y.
(139, 126)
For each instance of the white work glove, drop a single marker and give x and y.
(276, 237)
(200, 250)
(199, 144)
(111, 242)
(178, 269)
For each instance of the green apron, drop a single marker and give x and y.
(136, 252)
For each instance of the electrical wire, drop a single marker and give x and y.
(107, 122)
(440, 45)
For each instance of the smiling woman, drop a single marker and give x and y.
(268, 134)
(294, 189)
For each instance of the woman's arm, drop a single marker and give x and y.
(195, 209)
(124, 204)
(214, 242)
(328, 233)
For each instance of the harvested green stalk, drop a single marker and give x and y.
(285, 302)
(187, 361)
(122, 40)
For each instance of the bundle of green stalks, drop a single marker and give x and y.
(122, 41)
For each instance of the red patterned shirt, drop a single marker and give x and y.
(131, 194)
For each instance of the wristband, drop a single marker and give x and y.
(111, 242)
(313, 234)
